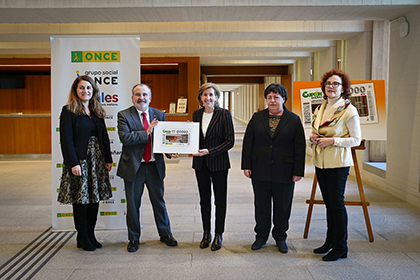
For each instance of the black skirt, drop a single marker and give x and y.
(93, 186)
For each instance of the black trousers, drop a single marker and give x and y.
(278, 195)
(205, 178)
(332, 183)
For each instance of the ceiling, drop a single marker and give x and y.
(220, 32)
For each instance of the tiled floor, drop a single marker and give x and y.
(25, 217)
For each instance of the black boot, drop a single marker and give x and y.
(334, 255)
(324, 248)
(92, 216)
(205, 242)
(329, 241)
(80, 222)
(217, 242)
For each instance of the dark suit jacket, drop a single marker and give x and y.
(219, 139)
(74, 137)
(134, 139)
(275, 159)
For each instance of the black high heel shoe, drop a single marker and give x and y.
(217, 242)
(334, 255)
(205, 242)
(324, 248)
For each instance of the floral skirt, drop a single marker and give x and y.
(93, 185)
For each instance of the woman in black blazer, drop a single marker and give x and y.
(211, 163)
(273, 157)
(86, 159)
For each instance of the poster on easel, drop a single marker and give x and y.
(367, 96)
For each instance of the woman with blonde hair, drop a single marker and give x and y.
(211, 162)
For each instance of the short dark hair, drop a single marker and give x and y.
(345, 82)
(276, 88)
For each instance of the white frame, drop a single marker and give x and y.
(160, 145)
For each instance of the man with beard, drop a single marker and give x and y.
(139, 166)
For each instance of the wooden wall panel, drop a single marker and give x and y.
(193, 77)
(40, 86)
(183, 79)
(178, 118)
(261, 99)
(8, 136)
(8, 101)
(286, 81)
(165, 89)
(25, 135)
(35, 98)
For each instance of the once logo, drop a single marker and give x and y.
(95, 56)
(109, 213)
(64, 215)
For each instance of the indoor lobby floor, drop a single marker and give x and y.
(30, 250)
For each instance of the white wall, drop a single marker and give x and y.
(245, 102)
(305, 68)
(403, 136)
(327, 61)
(359, 56)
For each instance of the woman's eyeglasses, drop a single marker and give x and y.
(335, 84)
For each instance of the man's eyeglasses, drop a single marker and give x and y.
(335, 84)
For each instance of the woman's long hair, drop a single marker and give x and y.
(74, 103)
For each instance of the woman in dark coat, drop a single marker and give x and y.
(211, 163)
(273, 157)
(86, 159)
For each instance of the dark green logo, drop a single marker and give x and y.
(76, 56)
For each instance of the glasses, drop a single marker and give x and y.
(335, 84)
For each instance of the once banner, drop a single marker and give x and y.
(114, 64)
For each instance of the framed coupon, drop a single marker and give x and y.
(182, 105)
(176, 137)
(363, 98)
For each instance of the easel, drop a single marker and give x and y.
(362, 201)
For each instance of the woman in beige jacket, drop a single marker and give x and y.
(335, 129)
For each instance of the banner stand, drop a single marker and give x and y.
(114, 63)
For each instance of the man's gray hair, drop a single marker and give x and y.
(136, 85)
